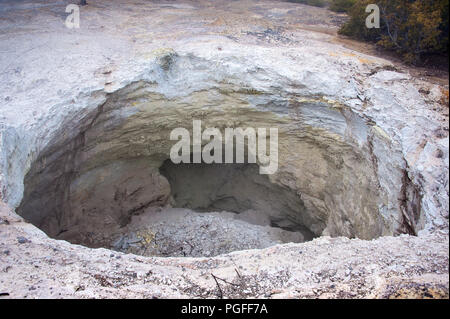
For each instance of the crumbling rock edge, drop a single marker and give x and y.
(388, 267)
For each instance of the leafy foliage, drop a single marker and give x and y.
(413, 28)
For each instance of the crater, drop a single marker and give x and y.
(110, 182)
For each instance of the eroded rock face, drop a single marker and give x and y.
(107, 168)
(362, 153)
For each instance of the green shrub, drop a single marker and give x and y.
(341, 5)
(413, 28)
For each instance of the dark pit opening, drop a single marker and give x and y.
(173, 210)
(236, 188)
(214, 209)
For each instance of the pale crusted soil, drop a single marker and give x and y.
(32, 265)
(184, 233)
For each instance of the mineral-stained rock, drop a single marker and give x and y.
(85, 120)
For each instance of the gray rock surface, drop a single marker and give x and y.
(184, 233)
